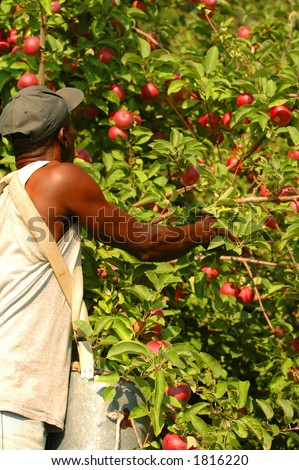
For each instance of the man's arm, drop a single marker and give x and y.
(111, 225)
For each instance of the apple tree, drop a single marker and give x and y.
(190, 107)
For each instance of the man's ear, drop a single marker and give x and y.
(62, 137)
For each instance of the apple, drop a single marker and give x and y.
(123, 119)
(280, 115)
(12, 37)
(210, 4)
(106, 55)
(27, 79)
(118, 90)
(244, 32)
(116, 133)
(15, 49)
(173, 441)
(31, 46)
(137, 119)
(140, 5)
(271, 222)
(83, 154)
(4, 47)
(246, 295)
(233, 160)
(69, 64)
(181, 391)
(179, 293)
(149, 91)
(295, 343)
(294, 205)
(293, 154)
(287, 191)
(244, 98)
(209, 120)
(226, 119)
(228, 288)
(155, 345)
(156, 330)
(90, 111)
(211, 273)
(55, 6)
(189, 176)
(264, 190)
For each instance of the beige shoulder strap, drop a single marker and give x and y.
(71, 287)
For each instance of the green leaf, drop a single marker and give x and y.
(211, 59)
(201, 408)
(84, 326)
(144, 47)
(109, 393)
(46, 4)
(128, 347)
(240, 429)
(243, 388)
(108, 378)
(200, 426)
(294, 134)
(139, 411)
(142, 292)
(213, 365)
(287, 409)
(266, 408)
(254, 426)
(159, 393)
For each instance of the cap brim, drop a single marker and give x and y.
(72, 96)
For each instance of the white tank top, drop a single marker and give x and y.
(35, 319)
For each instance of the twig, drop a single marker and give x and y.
(136, 434)
(180, 116)
(241, 259)
(259, 297)
(43, 33)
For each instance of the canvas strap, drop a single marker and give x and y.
(72, 286)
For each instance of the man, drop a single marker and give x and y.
(34, 315)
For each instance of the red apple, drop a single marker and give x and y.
(149, 91)
(157, 327)
(155, 345)
(123, 119)
(15, 49)
(210, 4)
(31, 46)
(12, 37)
(28, 79)
(244, 32)
(173, 441)
(280, 115)
(296, 344)
(189, 176)
(106, 55)
(209, 120)
(264, 190)
(246, 295)
(140, 5)
(211, 273)
(293, 154)
(233, 160)
(271, 222)
(226, 119)
(90, 110)
(294, 205)
(244, 98)
(287, 191)
(55, 6)
(181, 391)
(4, 47)
(228, 288)
(83, 154)
(118, 90)
(137, 119)
(116, 133)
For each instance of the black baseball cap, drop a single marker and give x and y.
(36, 112)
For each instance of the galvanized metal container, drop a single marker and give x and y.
(94, 424)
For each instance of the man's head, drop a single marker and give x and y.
(36, 112)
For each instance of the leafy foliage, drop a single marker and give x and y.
(240, 359)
